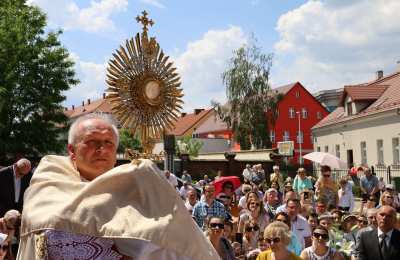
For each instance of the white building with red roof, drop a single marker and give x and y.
(365, 128)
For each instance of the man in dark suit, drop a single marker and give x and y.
(382, 243)
(14, 180)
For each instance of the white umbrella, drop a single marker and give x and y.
(326, 159)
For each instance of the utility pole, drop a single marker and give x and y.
(299, 138)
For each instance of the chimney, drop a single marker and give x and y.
(88, 101)
(183, 114)
(104, 95)
(379, 74)
(83, 103)
(73, 107)
(198, 111)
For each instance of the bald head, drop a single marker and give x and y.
(22, 167)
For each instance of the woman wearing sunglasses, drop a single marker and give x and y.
(256, 214)
(319, 249)
(215, 233)
(277, 235)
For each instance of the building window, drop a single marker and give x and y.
(304, 113)
(326, 149)
(318, 149)
(286, 136)
(312, 139)
(272, 136)
(319, 115)
(300, 137)
(337, 150)
(396, 150)
(379, 149)
(297, 94)
(363, 148)
(349, 108)
(291, 112)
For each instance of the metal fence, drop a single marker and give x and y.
(388, 173)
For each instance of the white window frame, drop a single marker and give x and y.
(337, 150)
(297, 94)
(304, 113)
(272, 136)
(396, 150)
(292, 112)
(380, 152)
(286, 135)
(300, 137)
(363, 149)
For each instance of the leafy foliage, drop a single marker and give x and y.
(34, 71)
(127, 141)
(249, 97)
(188, 145)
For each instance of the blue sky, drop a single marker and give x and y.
(322, 44)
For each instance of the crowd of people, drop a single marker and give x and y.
(81, 206)
(273, 217)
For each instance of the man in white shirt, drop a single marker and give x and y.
(171, 178)
(191, 200)
(299, 224)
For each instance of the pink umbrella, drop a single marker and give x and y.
(326, 159)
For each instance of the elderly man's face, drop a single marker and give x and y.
(272, 198)
(94, 152)
(386, 218)
(23, 170)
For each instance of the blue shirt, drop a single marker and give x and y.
(369, 183)
(201, 210)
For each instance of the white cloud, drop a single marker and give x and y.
(202, 63)
(155, 3)
(94, 18)
(92, 81)
(327, 44)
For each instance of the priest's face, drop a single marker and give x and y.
(94, 151)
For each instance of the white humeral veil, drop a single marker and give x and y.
(133, 205)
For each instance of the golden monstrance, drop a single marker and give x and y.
(143, 87)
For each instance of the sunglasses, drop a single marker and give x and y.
(324, 237)
(217, 225)
(4, 247)
(254, 228)
(224, 197)
(363, 222)
(255, 203)
(275, 240)
(389, 197)
(371, 199)
(228, 187)
(326, 175)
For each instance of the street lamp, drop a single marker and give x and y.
(298, 138)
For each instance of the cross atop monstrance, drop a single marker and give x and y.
(144, 20)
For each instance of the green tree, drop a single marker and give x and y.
(188, 145)
(249, 97)
(34, 71)
(127, 141)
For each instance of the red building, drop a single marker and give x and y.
(297, 106)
